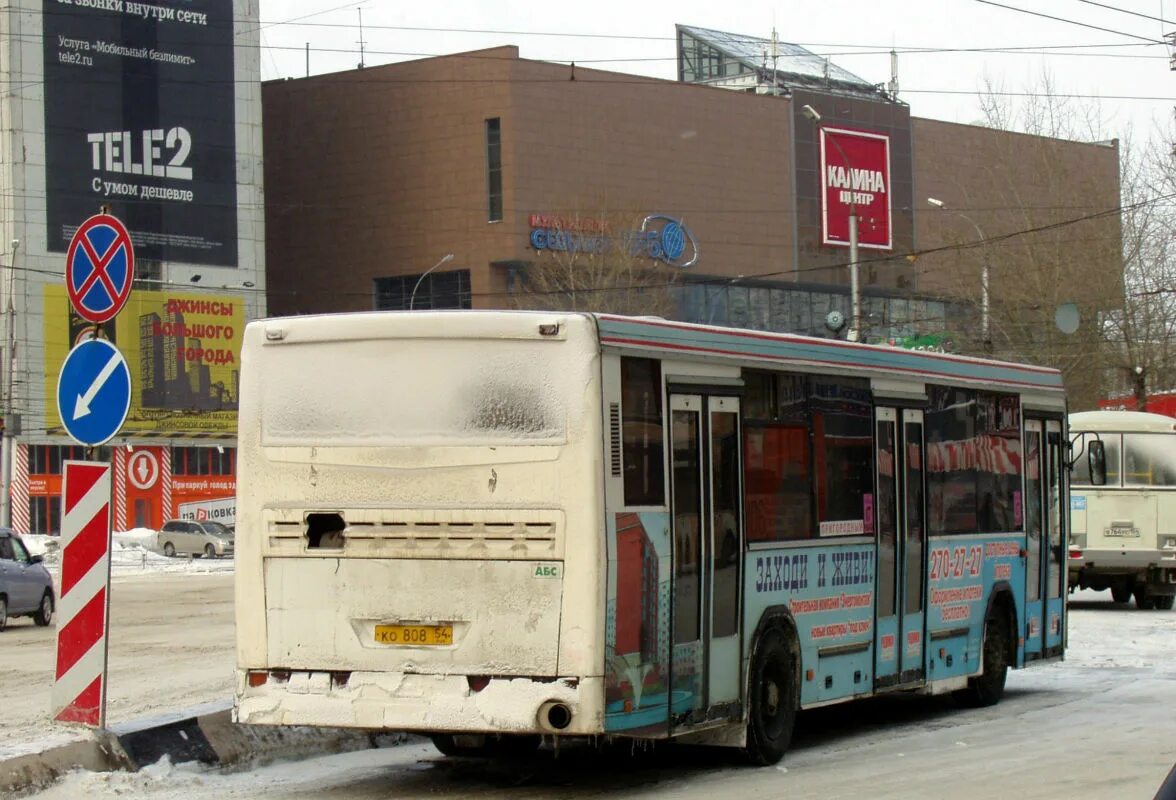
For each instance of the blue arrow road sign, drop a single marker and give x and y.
(94, 392)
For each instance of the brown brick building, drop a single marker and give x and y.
(372, 176)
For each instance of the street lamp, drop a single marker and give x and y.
(412, 297)
(855, 293)
(985, 334)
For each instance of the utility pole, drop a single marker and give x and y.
(6, 449)
(854, 334)
(361, 42)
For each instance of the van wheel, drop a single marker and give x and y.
(1165, 602)
(3, 612)
(988, 687)
(210, 551)
(1121, 593)
(169, 550)
(774, 699)
(44, 613)
(1143, 600)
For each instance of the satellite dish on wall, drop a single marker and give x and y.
(835, 321)
(1066, 317)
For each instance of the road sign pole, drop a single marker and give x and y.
(79, 688)
(93, 398)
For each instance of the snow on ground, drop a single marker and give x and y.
(1097, 725)
(171, 642)
(133, 551)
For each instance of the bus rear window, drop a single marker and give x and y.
(395, 393)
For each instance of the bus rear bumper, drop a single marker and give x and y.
(1122, 560)
(421, 703)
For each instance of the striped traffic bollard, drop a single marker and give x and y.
(79, 691)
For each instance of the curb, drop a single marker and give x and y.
(207, 735)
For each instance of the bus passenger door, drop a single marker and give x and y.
(1056, 534)
(900, 508)
(707, 546)
(1035, 517)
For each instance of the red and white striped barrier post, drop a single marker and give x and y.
(79, 691)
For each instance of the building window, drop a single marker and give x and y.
(45, 515)
(437, 290)
(494, 169)
(46, 459)
(148, 274)
(203, 461)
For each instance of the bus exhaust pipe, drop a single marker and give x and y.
(555, 715)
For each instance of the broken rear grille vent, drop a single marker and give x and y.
(614, 433)
(402, 536)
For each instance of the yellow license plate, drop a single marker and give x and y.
(415, 635)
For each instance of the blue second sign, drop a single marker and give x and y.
(94, 392)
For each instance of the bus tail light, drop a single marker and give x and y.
(257, 677)
(478, 682)
(1075, 553)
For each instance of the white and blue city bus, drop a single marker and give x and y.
(495, 526)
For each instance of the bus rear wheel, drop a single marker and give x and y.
(1143, 600)
(1121, 593)
(1165, 602)
(987, 688)
(774, 700)
(486, 745)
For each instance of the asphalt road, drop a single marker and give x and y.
(1099, 725)
(170, 648)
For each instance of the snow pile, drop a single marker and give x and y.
(39, 544)
(162, 779)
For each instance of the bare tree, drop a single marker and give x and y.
(1053, 237)
(1141, 333)
(598, 262)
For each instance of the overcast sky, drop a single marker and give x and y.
(1126, 60)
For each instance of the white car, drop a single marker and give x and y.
(189, 537)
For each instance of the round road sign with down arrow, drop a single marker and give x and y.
(94, 392)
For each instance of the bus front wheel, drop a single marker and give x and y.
(775, 698)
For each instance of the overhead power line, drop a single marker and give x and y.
(1072, 22)
(1125, 11)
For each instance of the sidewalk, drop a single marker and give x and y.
(205, 734)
